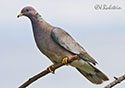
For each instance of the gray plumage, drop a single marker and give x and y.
(56, 44)
(66, 41)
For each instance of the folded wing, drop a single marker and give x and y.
(63, 39)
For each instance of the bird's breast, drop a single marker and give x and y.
(49, 48)
(46, 44)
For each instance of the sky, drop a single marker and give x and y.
(100, 32)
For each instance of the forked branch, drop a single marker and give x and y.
(70, 60)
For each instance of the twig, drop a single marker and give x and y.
(116, 81)
(45, 72)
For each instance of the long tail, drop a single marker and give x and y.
(93, 74)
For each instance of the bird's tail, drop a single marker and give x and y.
(93, 74)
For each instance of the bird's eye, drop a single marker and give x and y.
(27, 10)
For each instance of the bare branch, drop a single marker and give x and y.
(45, 72)
(116, 81)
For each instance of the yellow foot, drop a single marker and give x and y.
(65, 60)
(50, 68)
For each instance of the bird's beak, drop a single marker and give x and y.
(20, 15)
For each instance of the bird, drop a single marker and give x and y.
(57, 44)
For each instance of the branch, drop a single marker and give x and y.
(45, 72)
(116, 81)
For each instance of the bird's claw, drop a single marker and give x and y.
(65, 60)
(50, 69)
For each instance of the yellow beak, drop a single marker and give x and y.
(20, 14)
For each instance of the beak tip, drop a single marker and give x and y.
(18, 16)
(21, 14)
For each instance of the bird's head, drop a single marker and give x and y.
(28, 11)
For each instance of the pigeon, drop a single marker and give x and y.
(56, 44)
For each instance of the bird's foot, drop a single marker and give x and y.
(50, 69)
(65, 60)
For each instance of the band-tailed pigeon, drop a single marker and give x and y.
(56, 44)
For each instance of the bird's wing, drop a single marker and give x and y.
(63, 39)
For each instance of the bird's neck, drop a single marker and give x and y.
(39, 25)
(39, 18)
(36, 18)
